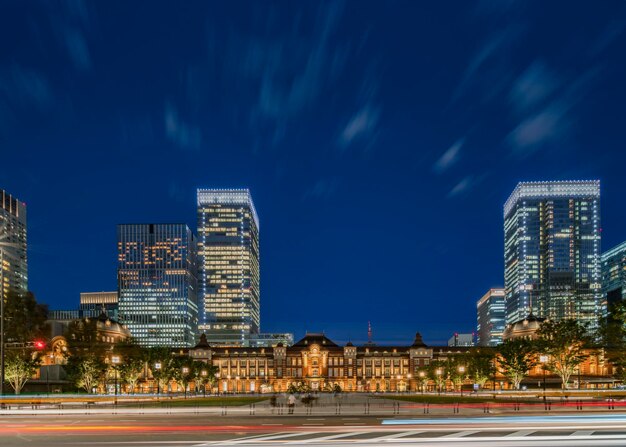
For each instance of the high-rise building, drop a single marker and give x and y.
(552, 251)
(490, 318)
(103, 302)
(229, 274)
(157, 283)
(461, 340)
(13, 260)
(613, 276)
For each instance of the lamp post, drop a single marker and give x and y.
(398, 379)
(543, 359)
(461, 371)
(185, 372)
(438, 372)
(157, 366)
(115, 360)
(408, 379)
(204, 374)
(422, 374)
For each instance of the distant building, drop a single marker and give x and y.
(490, 318)
(106, 302)
(614, 276)
(157, 283)
(14, 265)
(552, 251)
(461, 340)
(228, 252)
(269, 340)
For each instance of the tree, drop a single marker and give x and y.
(86, 370)
(516, 357)
(437, 373)
(133, 360)
(455, 370)
(564, 343)
(20, 365)
(161, 364)
(480, 365)
(24, 318)
(207, 374)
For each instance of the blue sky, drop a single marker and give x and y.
(379, 139)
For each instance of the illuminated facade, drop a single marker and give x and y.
(229, 274)
(552, 251)
(106, 302)
(157, 283)
(13, 260)
(614, 276)
(490, 318)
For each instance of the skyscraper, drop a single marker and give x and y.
(614, 276)
(490, 318)
(157, 283)
(107, 302)
(552, 251)
(228, 253)
(13, 259)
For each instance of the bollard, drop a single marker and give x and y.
(426, 408)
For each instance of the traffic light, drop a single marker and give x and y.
(39, 345)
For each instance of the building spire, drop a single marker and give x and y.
(369, 332)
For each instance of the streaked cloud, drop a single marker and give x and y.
(449, 157)
(77, 49)
(361, 125)
(179, 132)
(462, 187)
(533, 86)
(324, 188)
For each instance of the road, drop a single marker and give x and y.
(204, 430)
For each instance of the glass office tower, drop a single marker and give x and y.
(613, 276)
(552, 251)
(157, 283)
(13, 259)
(100, 302)
(490, 318)
(228, 254)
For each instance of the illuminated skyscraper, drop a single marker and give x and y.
(228, 253)
(107, 302)
(614, 276)
(157, 283)
(490, 318)
(14, 273)
(552, 251)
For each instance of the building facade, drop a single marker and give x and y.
(157, 283)
(106, 302)
(552, 251)
(229, 274)
(13, 253)
(490, 318)
(461, 340)
(613, 276)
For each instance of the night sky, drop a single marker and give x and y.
(379, 140)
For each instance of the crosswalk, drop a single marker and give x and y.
(415, 436)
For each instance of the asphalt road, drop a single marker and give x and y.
(205, 430)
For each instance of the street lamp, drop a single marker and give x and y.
(204, 374)
(461, 371)
(543, 359)
(157, 366)
(185, 372)
(398, 378)
(422, 374)
(115, 360)
(408, 379)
